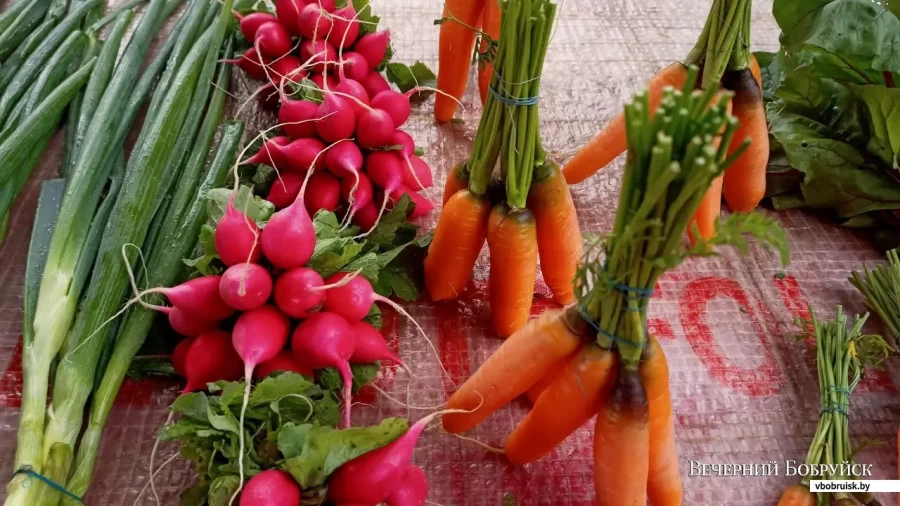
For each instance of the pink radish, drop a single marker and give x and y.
(325, 340)
(211, 358)
(197, 297)
(356, 95)
(318, 53)
(285, 189)
(269, 153)
(299, 291)
(237, 237)
(419, 178)
(245, 286)
(298, 117)
(287, 69)
(259, 334)
(394, 103)
(374, 83)
(271, 488)
(288, 12)
(284, 361)
(328, 5)
(423, 205)
(188, 324)
(323, 191)
(328, 82)
(336, 119)
(412, 490)
(385, 169)
(358, 193)
(374, 129)
(345, 27)
(369, 346)
(251, 22)
(302, 154)
(366, 217)
(354, 66)
(179, 355)
(289, 238)
(373, 47)
(272, 40)
(344, 159)
(314, 22)
(251, 63)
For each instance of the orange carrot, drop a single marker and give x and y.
(455, 44)
(457, 242)
(558, 234)
(611, 142)
(490, 25)
(622, 444)
(797, 495)
(457, 180)
(707, 215)
(517, 365)
(745, 180)
(512, 241)
(567, 404)
(664, 484)
(553, 372)
(754, 69)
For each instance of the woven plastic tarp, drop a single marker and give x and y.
(744, 390)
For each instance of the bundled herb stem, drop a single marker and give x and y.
(881, 288)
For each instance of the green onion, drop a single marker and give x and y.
(35, 39)
(881, 288)
(8, 16)
(23, 25)
(67, 59)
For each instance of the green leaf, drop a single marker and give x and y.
(326, 225)
(770, 70)
(278, 386)
(306, 90)
(367, 265)
(374, 317)
(254, 207)
(884, 120)
(332, 255)
(206, 259)
(407, 77)
(402, 272)
(193, 405)
(319, 451)
(363, 374)
(368, 22)
(384, 234)
(196, 495)
(141, 368)
(222, 489)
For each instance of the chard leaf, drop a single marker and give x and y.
(883, 105)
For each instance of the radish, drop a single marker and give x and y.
(298, 117)
(354, 66)
(285, 189)
(336, 119)
(314, 22)
(419, 178)
(298, 292)
(211, 358)
(423, 205)
(412, 490)
(344, 160)
(237, 237)
(179, 355)
(188, 324)
(374, 83)
(328, 5)
(358, 194)
(366, 217)
(197, 297)
(317, 54)
(325, 340)
(369, 345)
(324, 82)
(374, 128)
(354, 94)
(245, 286)
(289, 238)
(345, 27)
(288, 69)
(385, 169)
(269, 153)
(322, 192)
(300, 155)
(394, 103)
(373, 47)
(284, 361)
(251, 63)
(288, 12)
(271, 488)
(251, 22)
(272, 40)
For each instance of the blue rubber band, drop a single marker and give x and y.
(31, 473)
(633, 292)
(512, 100)
(611, 337)
(836, 409)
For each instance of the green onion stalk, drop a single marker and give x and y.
(881, 288)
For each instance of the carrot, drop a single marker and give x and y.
(664, 484)
(457, 180)
(455, 44)
(558, 234)
(797, 495)
(622, 444)
(754, 69)
(745, 180)
(512, 241)
(610, 142)
(567, 404)
(490, 25)
(707, 215)
(457, 242)
(547, 379)
(517, 365)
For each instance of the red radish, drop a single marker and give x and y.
(354, 66)
(344, 159)
(199, 296)
(328, 82)
(318, 54)
(302, 154)
(285, 189)
(394, 103)
(289, 238)
(251, 22)
(284, 361)
(259, 334)
(269, 153)
(353, 90)
(374, 83)
(385, 169)
(420, 177)
(272, 40)
(251, 63)
(288, 12)
(314, 22)
(179, 355)
(211, 358)
(369, 346)
(188, 324)
(325, 340)
(366, 217)
(373, 47)
(344, 27)
(413, 489)
(237, 237)
(271, 488)
(374, 129)
(268, 96)
(298, 117)
(327, 5)
(287, 70)
(423, 205)
(336, 119)
(358, 194)
(298, 292)
(245, 286)
(322, 192)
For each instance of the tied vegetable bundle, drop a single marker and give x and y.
(596, 358)
(722, 51)
(528, 210)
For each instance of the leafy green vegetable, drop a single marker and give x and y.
(255, 207)
(363, 374)
(142, 367)
(407, 77)
(222, 489)
(368, 22)
(205, 254)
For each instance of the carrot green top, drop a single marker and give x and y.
(724, 42)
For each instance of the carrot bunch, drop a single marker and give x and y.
(723, 52)
(533, 213)
(596, 358)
